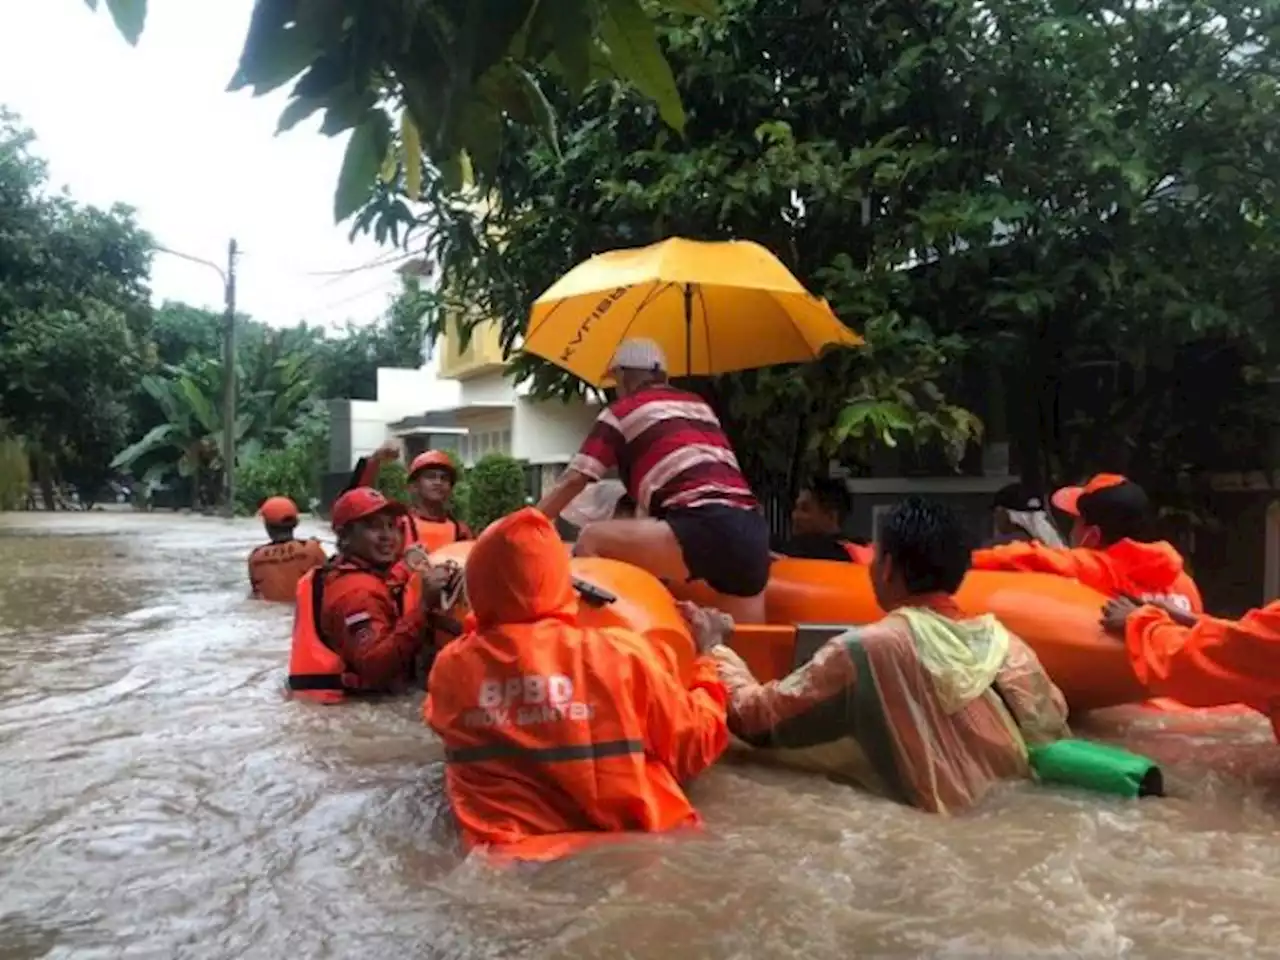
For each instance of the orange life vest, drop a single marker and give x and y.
(316, 671)
(432, 534)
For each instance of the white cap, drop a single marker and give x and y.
(639, 354)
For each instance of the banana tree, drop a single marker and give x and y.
(189, 442)
(276, 392)
(276, 386)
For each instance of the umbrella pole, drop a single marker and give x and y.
(688, 330)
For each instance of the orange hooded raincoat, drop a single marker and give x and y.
(1147, 571)
(554, 731)
(1215, 662)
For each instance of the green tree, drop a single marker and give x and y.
(348, 363)
(187, 444)
(974, 186)
(292, 469)
(393, 481)
(73, 314)
(277, 398)
(14, 471)
(495, 488)
(180, 331)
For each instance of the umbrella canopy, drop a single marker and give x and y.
(713, 308)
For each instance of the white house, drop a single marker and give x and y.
(463, 403)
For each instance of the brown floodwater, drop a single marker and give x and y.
(162, 799)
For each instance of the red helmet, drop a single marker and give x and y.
(433, 459)
(360, 503)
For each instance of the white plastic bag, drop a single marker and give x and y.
(596, 503)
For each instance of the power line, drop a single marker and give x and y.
(392, 259)
(345, 300)
(400, 256)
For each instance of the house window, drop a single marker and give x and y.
(533, 483)
(446, 441)
(506, 441)
(414, 445)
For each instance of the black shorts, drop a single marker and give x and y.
(728, 547)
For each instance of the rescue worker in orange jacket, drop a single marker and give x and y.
(817, 525)
(352, 630)
(1203, 661)
(551, 729)
(1107, 552)
(432, 476)
(276, 567)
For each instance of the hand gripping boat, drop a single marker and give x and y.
(810, 601)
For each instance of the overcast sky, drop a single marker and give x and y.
(153, 127)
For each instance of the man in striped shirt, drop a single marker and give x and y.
(697, 518)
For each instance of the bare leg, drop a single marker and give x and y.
(650, 545)
(644, 542)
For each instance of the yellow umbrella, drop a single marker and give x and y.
(713, 308)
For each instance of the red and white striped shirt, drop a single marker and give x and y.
(669, 449)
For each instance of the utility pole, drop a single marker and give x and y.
(229, 387)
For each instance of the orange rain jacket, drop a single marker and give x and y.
(276, 568)
(552, 730)
(1214, 663)
(363, 618)
(1146, 571)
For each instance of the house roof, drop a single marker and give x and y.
(434, 418)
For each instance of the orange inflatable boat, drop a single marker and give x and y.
(809, 601)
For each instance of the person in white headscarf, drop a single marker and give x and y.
(1020, 515)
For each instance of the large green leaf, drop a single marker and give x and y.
(695, 8)
(365, 152)
(276, 49)
(634, 51)
(480, 133)
(346, 108)
(411, 156)
(199, 404)
(155, 438)
(517, 93)
(162, 392)
(130, 17)
(299, 109)
(156, 473)
(571, 36)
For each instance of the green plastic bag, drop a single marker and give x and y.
(1098, 767)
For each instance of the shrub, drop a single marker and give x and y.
(286, 472)
(495, 488)
(393, 481)
(15, 478)
(292, 470)
(460, 502)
